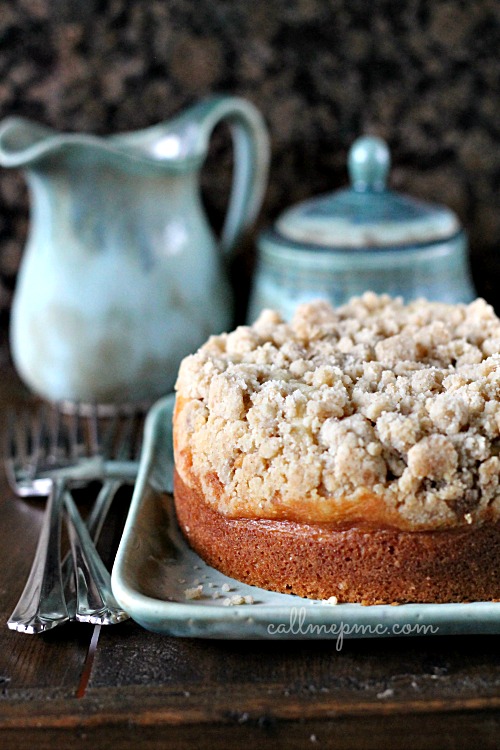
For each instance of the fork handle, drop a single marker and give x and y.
(95, 602)
(98, 514)
(42, 605)
(94, 523)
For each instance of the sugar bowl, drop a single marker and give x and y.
(363, 237)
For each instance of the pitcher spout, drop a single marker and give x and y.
(23, 142)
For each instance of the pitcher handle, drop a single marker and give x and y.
(251, 159)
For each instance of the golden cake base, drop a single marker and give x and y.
(355, 564)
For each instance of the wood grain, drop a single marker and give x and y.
(203, 719)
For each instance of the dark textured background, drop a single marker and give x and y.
(423, 75)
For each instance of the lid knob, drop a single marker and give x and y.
(368, 164)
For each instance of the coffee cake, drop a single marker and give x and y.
(352, 452)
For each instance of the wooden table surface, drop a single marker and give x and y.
(84, 687)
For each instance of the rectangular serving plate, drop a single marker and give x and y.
(155, 568)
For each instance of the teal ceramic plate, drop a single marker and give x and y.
(155, 572)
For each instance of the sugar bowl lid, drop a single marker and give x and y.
(366, 215)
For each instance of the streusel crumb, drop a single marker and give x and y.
(373, 411)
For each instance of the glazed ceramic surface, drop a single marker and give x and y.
(365, 237)
(155, 567)
(122, 275)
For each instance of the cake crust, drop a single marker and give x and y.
(354, 564)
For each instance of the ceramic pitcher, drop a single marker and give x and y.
(122, 275)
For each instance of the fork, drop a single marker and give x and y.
(35, 469)
(95, 602)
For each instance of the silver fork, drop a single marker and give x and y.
(95, 602)
(39, 464)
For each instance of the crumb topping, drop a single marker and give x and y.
(374, 410)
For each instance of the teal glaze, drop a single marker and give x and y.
(368, 162)
(122, 275)
(364, 237)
